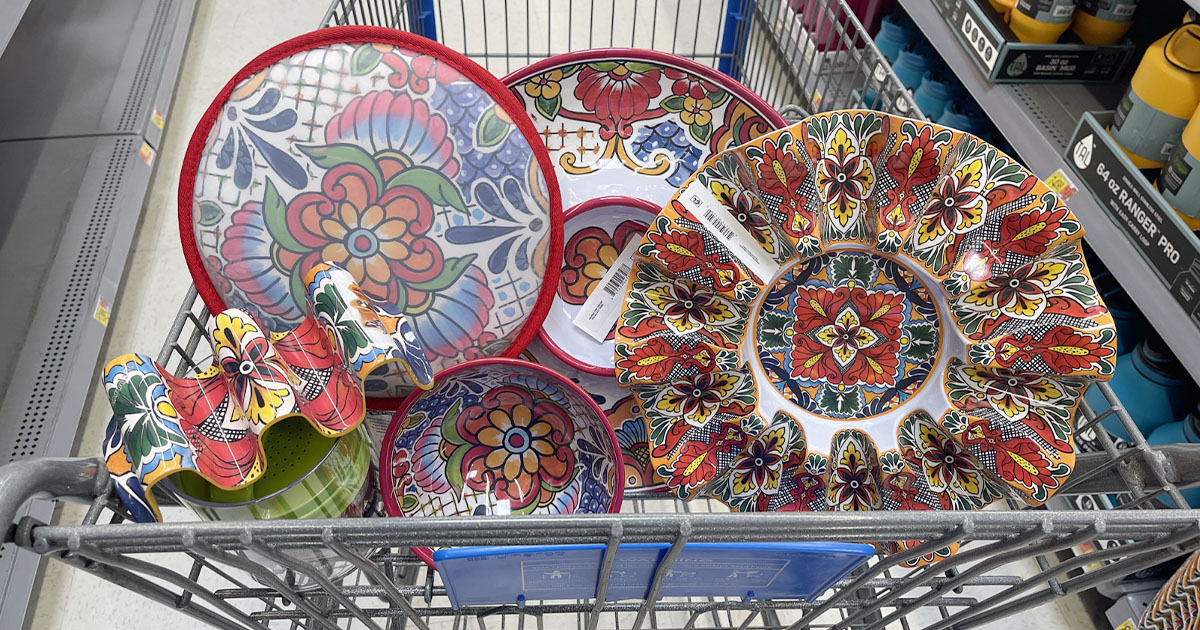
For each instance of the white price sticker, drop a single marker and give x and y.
(603, 306)
(712, 215)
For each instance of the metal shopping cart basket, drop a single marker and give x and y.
(801, 56)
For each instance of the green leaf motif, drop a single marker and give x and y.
(453, 270)
(840, 401)
(638, 66)
(332, 155)
(364, 59)
(491, 129)
(673, 103)
(922, 341)
(410, 503)
(846, 269)
(772, 332)
(701, 132)
(548, 107)
(440, 190)
(210, 213)
(275, 217)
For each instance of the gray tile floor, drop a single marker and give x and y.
(227, 34)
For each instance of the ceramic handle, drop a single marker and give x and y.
(48, 477)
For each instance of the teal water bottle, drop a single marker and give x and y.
(1151, 384)
(1186, 431)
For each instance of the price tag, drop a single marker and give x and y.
(1058, 182)
(603, 306)
(712, 215)
(103, 309)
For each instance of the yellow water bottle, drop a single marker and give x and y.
(1103, 22)
(1003, 6)
(1162, 95)
(1175, 181)
(1041, 21)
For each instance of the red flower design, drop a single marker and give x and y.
(694, 466)
(378, 236)
(1017, 459)
(1030, 233)
(779, 172)
(617, 93)
(516, 444)
(689, 84)
(847, 336)
(653, 361)
(588, 255)
(1064, 349)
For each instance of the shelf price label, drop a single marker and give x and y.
(1140, 212)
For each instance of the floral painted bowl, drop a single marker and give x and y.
(624, 413)
(600, 235)
(393, 157)
(637, 123)
(500, 436)
(863, 312)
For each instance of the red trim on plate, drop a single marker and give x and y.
(594, 204)
(415, 43)
(389, 437)
(637, 54)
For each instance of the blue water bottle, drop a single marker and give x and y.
(1152, 385)
(937, 90)
(1184, 431)
(895, 32)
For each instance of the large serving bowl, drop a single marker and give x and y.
(500, 436)
(863, 312)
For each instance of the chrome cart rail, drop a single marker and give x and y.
(1010, 560)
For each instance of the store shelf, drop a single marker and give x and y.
(87, 88)
(1038, 120)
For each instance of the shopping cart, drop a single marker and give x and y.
(802, 56)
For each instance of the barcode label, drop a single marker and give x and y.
(603, 306)
(712, 215)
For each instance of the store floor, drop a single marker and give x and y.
(227, 34)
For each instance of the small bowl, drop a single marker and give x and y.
(313, 476)
(597, 232)
(500, 436)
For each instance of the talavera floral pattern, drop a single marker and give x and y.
(924, 343)
(392, 165)
(498, 439)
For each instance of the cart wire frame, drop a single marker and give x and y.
(816, 58)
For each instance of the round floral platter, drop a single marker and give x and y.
(500, 436)
(637, 123)
(624, 413)
(863, 312)
(393, 157)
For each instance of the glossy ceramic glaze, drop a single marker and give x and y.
(500, 436)
(624, 412)
(210, 423)
(923, 343)
(637, 123)
(394, 157)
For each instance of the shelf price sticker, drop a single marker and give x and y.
(600, 311)
(716, 219)
(1059, 183)
(103, 310)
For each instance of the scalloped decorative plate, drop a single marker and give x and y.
(900, 317)
(212, 423)
(393, 156)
